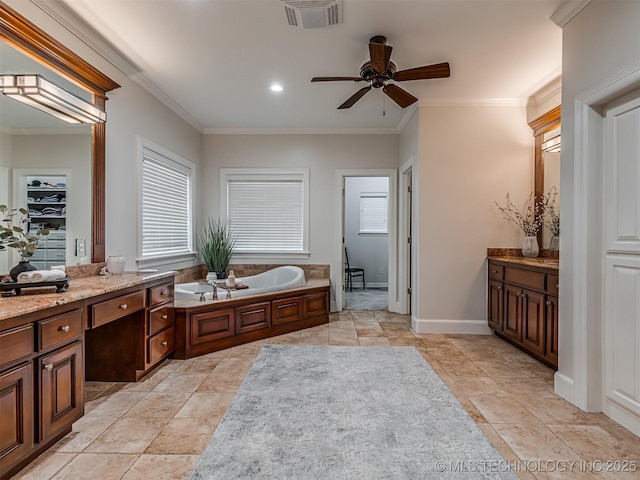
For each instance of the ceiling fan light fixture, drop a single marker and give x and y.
(313, 13)
(276, 88)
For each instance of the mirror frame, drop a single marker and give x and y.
(27, 38)
(541, 125)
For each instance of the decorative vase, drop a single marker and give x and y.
(554, 243)
(221, 275)
(530, 247)
(22, 266)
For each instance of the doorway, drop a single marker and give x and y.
(367, 237)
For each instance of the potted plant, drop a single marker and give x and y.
(215, 243)
(15, 234)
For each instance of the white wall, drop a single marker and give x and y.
(322, 154)
(600, 46)
(368, 251)
(469, 158)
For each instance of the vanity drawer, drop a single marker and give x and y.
(159, 319)
(161, 345)
(109, 310)
(59, 329)
(525, 278)
(286, 310)
(553, 282)
(496, 272)
(160, 294)
(315, 304)
(16, 343)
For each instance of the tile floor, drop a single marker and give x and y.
(157, 428)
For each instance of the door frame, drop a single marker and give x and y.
(338, 258)
(406, 275)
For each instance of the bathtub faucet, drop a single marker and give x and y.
(215, 289)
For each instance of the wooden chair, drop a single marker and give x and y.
(350, 272)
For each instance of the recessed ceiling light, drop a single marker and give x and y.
(276, 88)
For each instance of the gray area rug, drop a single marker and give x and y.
(329, 412)
(370, 299)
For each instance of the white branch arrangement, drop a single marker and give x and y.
(530, 220)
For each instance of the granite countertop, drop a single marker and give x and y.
(34, 299)
(551, 263)
(311, 283)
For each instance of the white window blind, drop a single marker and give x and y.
(166, 206)
(267, 215)
(373, 212)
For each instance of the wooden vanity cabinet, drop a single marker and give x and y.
(522, 308)
(16, 415)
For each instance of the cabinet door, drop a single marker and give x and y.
(551, 318)
(496, 305)
(512, 327)
(533, 310)
(16, 414)
(61, 390)
(253, 317)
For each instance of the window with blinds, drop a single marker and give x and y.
(373, 212)
(166, 206)
(267, 212)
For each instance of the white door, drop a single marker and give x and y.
(621, 316)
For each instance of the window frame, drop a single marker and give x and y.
(177, 162)
(227, 174)
(385, 196)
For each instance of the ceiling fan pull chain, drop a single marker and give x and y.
(384, 112)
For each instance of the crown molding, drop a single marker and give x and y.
(567, 11)
(300, 131)
(474, 102)
(58, 11)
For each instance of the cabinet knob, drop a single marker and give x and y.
(163, 292)
(557, 285)
(494, 271)
(124, 306)
(165, 316)
(548, 302)
(64, 328)
(165, 343)
(500, 287)
(48, 366)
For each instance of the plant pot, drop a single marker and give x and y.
(221, 275)
(554, 243)
(22, 266)
(530, 247)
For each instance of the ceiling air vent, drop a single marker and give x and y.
(313, 13)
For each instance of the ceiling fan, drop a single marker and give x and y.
(380, 69)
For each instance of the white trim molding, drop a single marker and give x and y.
(567, 11)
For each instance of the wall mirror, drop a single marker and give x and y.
(546, 131)
(37, 146)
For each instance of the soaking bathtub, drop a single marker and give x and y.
(274, 280)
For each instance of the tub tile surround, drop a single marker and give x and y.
(515, 407)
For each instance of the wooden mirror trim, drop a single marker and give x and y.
(20, 33)
(541, 125)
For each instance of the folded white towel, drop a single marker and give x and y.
(24, 277)
(47, 275)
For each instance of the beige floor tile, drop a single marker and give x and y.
(116, 404)
(594, 443)
(180, 383)
(162, 467)
(374, 341)
(162, 405)
(204, 405)
(525, 387)
(370, 331)
(91, 466)
(534, 442)
(554, 411)
(500, 369)
(199, 365)
(477, 385)
(465, 368)
(184, 436)
(85, 431)
(45, 466)
(128, 435)
(502, 410)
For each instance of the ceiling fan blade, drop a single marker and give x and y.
(354, 98)
(336, 79)
(400, 96)
(438, 70)
(380, 55)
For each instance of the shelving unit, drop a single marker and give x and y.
(47, 204)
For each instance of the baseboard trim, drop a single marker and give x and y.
(563, 386)
(468, 327)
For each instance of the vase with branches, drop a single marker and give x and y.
(530, 220)
(552, 216)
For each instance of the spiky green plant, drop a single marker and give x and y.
(215, 244)
(13, 235)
